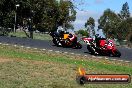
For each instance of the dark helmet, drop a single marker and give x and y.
(70, 35)
(97, 35)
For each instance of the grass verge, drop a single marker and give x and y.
(21, 67)
(39, 36)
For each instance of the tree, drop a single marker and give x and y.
(124, 13)
(51, 14)
(6, 16)
(83, 32)
(43, 15)
(46, 15)
(125, 30)
(7, 13)
(90, 24)
(67, 14)
(109, 23)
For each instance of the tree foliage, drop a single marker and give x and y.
(6, 13)
(124, 13)
(83, 32)
(48, 14)
(109, 22)
(117, 25)
(43, 15)
(125, 30)
(90, 24)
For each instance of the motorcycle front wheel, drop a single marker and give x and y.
(116, 53)
(78, 46)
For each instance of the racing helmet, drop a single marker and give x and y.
(70, 35)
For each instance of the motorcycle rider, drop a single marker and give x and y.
(100, 42)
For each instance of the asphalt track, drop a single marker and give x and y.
(47, 44)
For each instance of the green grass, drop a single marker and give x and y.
(39, 36)
(29, 68)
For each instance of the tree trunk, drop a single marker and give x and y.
(26, 33)
(64, 26)
(31, 34)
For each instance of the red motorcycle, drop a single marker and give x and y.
(65, 40)
(101, 46)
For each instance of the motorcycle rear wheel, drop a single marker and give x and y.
(78, 46)
(56, 43)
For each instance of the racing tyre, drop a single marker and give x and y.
(91, 50)
(56, 42)
(78, 46)
(117, 53)
(81, 80)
